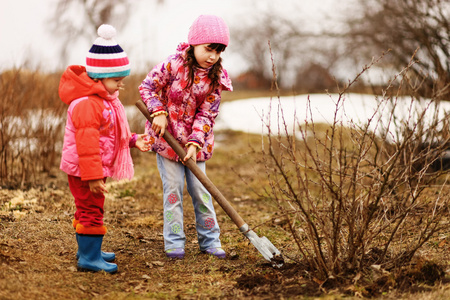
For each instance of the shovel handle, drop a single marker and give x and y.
(207, 183)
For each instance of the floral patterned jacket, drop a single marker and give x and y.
(191, 112)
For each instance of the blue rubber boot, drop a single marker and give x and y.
(107, 256)
(90, 257)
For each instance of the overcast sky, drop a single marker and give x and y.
(153, 31)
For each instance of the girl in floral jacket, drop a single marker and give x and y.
(183, 94)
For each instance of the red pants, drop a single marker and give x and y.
(89, 206)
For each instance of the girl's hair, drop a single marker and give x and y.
(214, 72)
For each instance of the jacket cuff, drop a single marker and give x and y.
(159, 112)
(133, 140)
(195, 143)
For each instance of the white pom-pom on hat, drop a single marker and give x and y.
(106, 34)
(106, 31)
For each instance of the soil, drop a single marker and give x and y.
(38, 246)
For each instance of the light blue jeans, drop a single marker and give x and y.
(173, 175)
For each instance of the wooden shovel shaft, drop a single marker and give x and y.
(212, 189)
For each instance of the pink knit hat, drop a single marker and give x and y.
(208, 29)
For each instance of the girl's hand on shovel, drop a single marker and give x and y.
(159, 124)
(191, 153)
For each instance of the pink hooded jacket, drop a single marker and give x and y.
(191, 112)
(90, 139)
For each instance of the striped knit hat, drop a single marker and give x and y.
(106, 59)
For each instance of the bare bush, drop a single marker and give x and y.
(31, 126)
(361, 197)
(32, 120)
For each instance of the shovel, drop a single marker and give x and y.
(263, 245)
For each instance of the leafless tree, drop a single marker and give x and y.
(361, 31)
(293, 47)
(75, 20)
(78, 20)
(404, 26)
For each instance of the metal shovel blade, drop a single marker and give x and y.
(264, 246)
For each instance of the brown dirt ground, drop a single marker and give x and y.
(37, 244)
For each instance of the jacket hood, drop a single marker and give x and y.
(75, 83)
(182, 49)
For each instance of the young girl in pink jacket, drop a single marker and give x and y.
(183, 94)
(97, 142)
